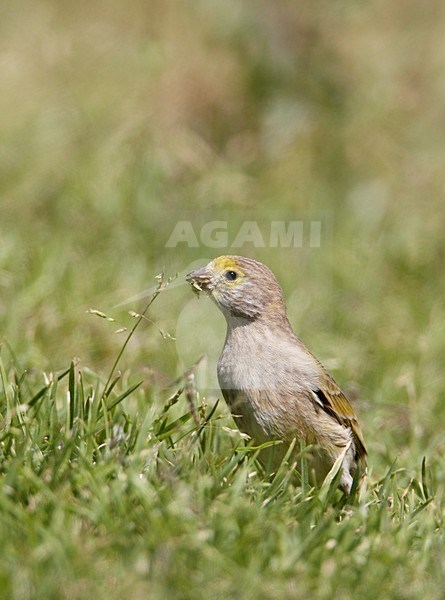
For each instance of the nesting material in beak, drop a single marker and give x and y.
(199, 280)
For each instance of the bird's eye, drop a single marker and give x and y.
(231, 275)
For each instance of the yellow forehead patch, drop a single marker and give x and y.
(227, 263)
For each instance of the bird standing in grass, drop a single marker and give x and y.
(275, 388)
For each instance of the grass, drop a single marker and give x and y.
(106, 500)
(119, 473)
(109, 489)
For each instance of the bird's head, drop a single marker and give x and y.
(240, 286)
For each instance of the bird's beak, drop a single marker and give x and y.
(200, 280)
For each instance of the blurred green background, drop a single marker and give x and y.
(117, 120)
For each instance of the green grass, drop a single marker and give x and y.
(127, 491)
(117, 121)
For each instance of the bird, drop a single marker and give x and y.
(275, 388)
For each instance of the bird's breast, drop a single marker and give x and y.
(266, 383)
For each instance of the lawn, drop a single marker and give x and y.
(139, 140)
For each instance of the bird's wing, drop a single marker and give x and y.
(330, 397)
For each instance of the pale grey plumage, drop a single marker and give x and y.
(275, 388)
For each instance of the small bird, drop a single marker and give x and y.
(275, 388)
